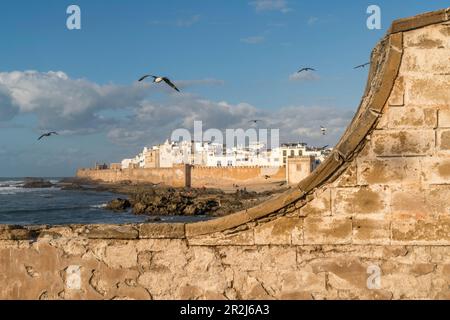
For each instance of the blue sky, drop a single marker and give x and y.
(233, 60)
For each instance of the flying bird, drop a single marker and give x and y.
(362, 65)
(306, 69)
(49, 134)
(324, 130)
(255, 121)
(159, 80)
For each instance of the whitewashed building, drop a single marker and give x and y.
(209, 154)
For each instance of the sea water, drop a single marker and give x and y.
(53, 206)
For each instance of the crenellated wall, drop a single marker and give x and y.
(380, 205)
(175, 177)
(194, 176)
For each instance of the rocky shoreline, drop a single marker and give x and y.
(157, 200)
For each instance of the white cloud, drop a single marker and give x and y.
(271, 5)
(312, 21)
(253, 40)
(128, 115)
(188, 22)
(181, 23)
(304, 76)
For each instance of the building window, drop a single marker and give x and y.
(284, 153)
(292, 153)
(300, 153)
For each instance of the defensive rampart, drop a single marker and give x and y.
(377, 209)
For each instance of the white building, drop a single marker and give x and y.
(209, 154)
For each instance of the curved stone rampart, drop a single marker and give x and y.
(380, 202)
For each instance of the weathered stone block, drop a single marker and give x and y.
(430, 91)
(421, 232)
(343, 273)
(365, 200)
(403, 143)
(319, 206)
(444, 117)
(371, 230)
(259, 258)
(161, 231)
(421, 21)
(443, 140)
(438, 199)
(348, 178)
(421, 269)
(121, 255)
(412, 117)
(420, 62)
(242, 238)
(280, 232)
(436, 170)
(432, 37)
(328, 230)
(110, 232)
(397, 98)
(303, 280)
(389, 171)
(410, 204)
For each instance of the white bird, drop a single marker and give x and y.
(324, 130)
(159, 80)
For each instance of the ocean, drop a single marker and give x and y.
(53, 206)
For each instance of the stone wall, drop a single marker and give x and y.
(227, 176)
(175, 177)
(180, 176)
(379, 205)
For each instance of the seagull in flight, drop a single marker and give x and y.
(49, 134)
(255, 121)
(159, 80)
(306, 69)
(324, 130)
(362, 65)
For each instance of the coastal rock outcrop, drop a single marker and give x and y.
(118, 205)
(32, 183)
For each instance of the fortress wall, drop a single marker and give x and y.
(380, 203)
(200, 176)
(227, 176)
(171, 176)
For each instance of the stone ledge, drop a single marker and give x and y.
(123, 232)
(162, 231)
(419, 21)
(17, 233)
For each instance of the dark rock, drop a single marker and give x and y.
(118, 205)
(153, 219)
(139, 208)
(37, 184)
